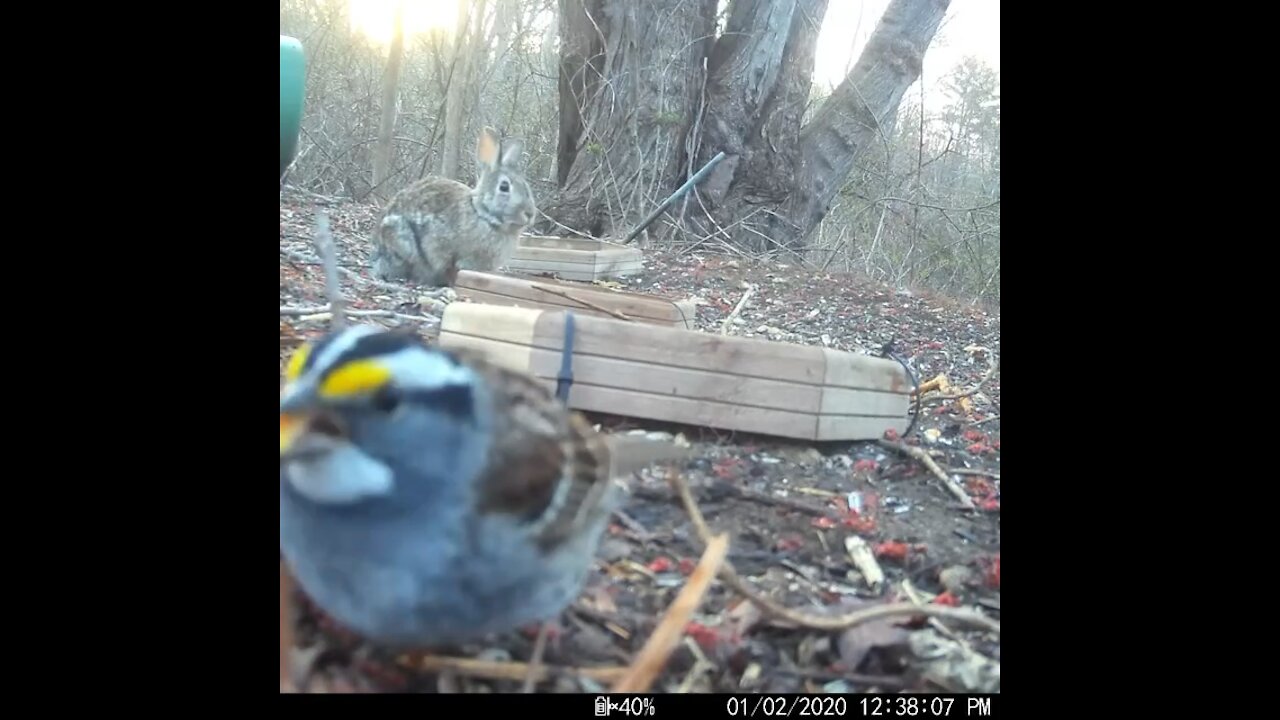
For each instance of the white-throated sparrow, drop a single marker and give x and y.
(429, 498)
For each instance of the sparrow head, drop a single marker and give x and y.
(367, 413)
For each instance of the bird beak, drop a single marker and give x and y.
(291, 428)
(297, 405)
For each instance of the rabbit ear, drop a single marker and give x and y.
(487, 148)
(511, 150)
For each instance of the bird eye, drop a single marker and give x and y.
(504, 186)
(386, 400)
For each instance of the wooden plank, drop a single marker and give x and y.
(673, 375)
(513, 356)
(850, 370)
(498, 322)
(566, 243)
(843, 401)
(499, 289)
(853, 427)
(664, 380)
(749, 357)
(573, 271)
(665, 408)
(569, 258)
(574, 258)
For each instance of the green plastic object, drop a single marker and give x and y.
(293, 71)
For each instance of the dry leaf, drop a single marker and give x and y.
(856, 642)
(953, 666)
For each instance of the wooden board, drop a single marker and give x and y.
(685, 376)
(547, 294)
(574, 258)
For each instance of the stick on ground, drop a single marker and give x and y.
(516, 671)
(667, 635)
(737, 310)
(840, 622)
(952, 486)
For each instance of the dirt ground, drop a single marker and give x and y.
(790, 508)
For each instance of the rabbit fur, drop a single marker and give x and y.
(437, 226)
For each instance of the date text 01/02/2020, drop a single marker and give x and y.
(765, 706)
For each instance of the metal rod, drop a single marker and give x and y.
(674, 196)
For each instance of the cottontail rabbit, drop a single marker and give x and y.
(437, 226)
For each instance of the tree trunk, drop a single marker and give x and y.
(761, 78)
(628, 68)
(860, 113)
(478, 50)
(621, 141)
(459, 79)
(384, 150)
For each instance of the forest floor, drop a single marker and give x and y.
(792, 510)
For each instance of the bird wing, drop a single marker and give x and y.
(548, 466)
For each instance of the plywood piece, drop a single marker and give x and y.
(574, 258)
(684, 376)
(547, 294)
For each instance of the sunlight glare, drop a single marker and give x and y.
(374, 18)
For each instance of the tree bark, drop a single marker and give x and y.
(621, 141)
(459, 80)
(636, 120)
(860, 113)
(384, 150)
(761, 78)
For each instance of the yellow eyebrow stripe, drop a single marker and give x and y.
(354, 378)
(299, 359)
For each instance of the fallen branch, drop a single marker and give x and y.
(909, 590)
(929, 463)
(516, 671)
(737, 310)
(766, 499)
(668, 634)
(840, 622)
(969, 471)
(307, 260)
(323, 313)
(584, 303)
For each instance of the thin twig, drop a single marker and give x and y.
(666, 637)
(307, 260)
(974, 471)
(730, 577)
(991, 371)
(322, 312)
(329, 255)
(789, 503)
(516, 671)
(586, 303)
(933, 467)
(724, 327)
(909, 590)
(535, 660)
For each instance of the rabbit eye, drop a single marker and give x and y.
(504, 186)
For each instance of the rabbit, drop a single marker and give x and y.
(437, 226)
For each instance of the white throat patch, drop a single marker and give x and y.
(342, 475)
